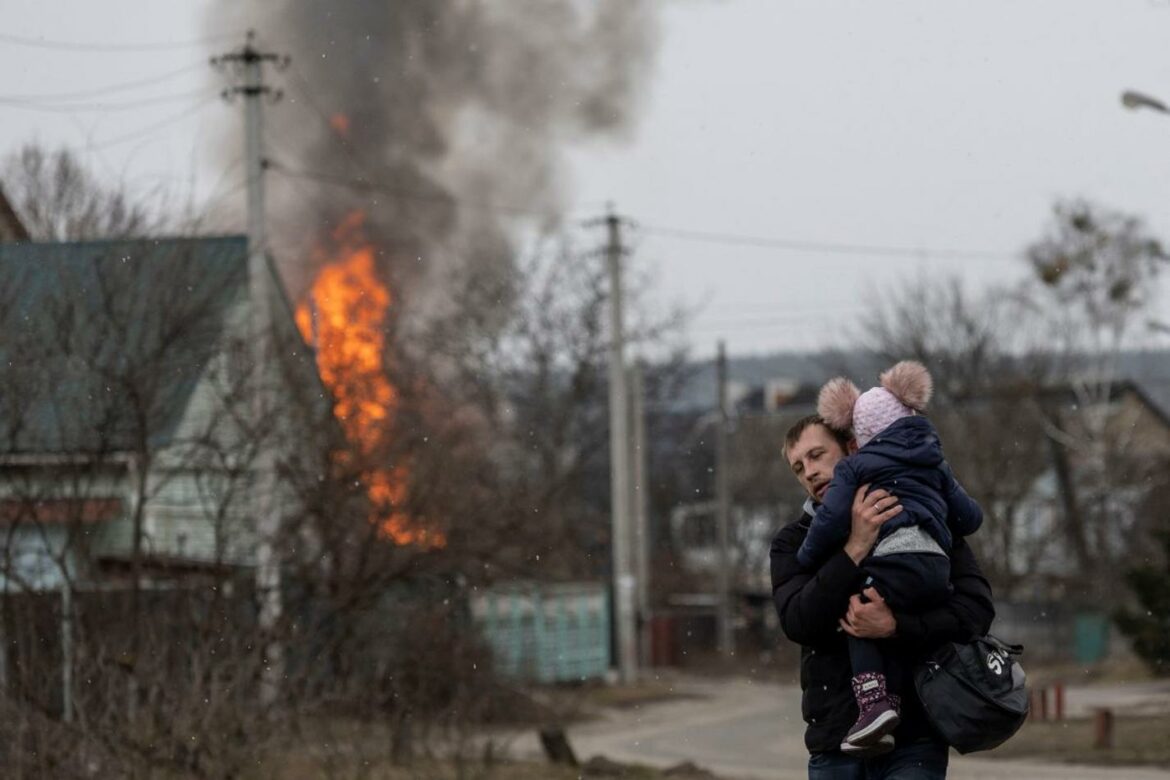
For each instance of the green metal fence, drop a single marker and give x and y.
(1092, 637)
(546, 633)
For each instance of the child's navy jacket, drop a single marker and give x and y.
(905, 459)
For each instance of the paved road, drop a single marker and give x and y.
(751, 730)
(1145, 698)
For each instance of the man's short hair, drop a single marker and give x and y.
(804, 423)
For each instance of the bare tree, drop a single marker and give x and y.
(1027, 383)
(1099, 268)
(139, 520)
(114, 503)
(1095, 277)
(59, 199)
(985, 379)
(532, 376)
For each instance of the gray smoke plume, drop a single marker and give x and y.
(444, 120)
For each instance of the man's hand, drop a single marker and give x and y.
(870, 510)
(872, 620)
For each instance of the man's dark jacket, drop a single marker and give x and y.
(810, 603)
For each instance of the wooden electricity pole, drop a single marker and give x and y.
(723, 504)
(249, 61)
(619, 452)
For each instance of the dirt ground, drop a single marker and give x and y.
(1137, 741)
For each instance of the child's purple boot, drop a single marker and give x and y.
(877, 716)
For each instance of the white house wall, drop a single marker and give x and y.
(198, 516)
(187, 517)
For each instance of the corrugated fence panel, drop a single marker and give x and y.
(546, 632)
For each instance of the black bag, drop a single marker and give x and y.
(974, 693)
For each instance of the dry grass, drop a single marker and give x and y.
(636, 694)
(428, 770)
(447, 770)
(1137, 740)
(347, 749)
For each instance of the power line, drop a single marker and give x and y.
(67, 108)
(703, 332)
(307, 93)
(778, 318)
(59, 96)
(749, 308)
(360, 185)
(151, 128)
(41, 43)
(850, 324)
(364, 185)
(210, 204)
(735, 239)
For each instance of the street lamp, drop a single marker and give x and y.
(1135, 100)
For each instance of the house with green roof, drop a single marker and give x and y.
(136, 409)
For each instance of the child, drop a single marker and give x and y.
(899, 451)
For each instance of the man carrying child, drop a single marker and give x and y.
(823, 605)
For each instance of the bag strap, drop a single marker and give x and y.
(1004, 646)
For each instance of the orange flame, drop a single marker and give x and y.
(340, 124)
(344, 317)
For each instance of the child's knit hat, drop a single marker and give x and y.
(905, 390)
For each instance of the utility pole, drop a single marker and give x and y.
(639, 499)
(723, 502)
(66, 647)
(619, 453)
(248, 62)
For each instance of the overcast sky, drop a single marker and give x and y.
(915, 124)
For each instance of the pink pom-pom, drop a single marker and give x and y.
(835, 403)
(910, 383)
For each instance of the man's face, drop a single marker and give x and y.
(813, 457)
